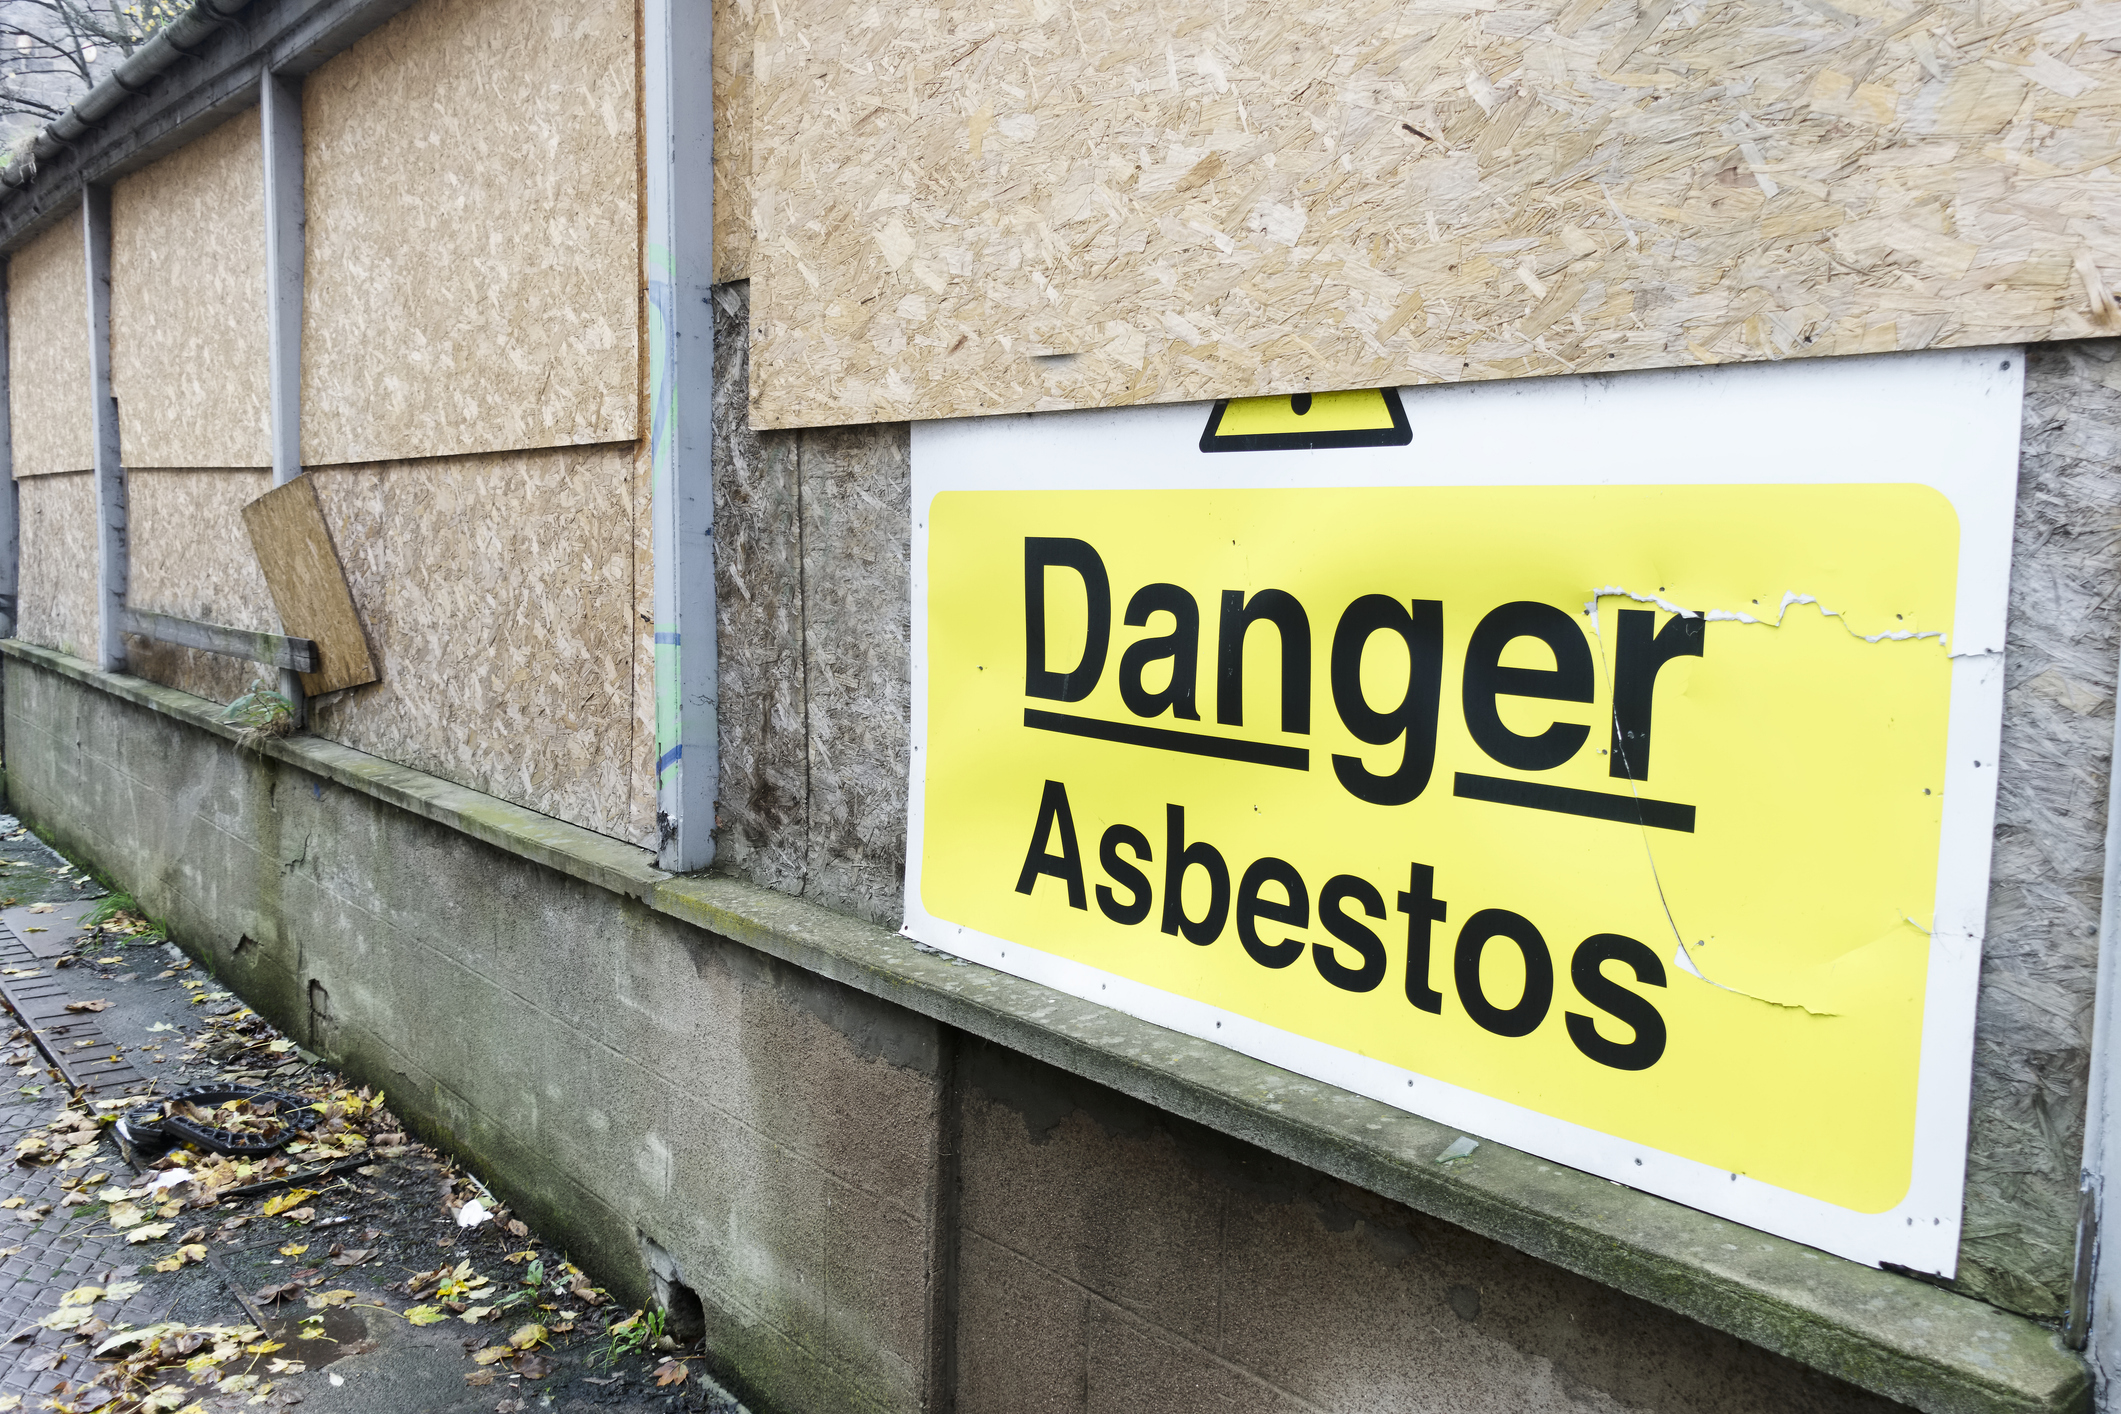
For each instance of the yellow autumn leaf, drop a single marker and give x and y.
(82, 1296)
(150, 1232)
(527, 1336)
(426, 1315)
(124, 1215)
(10, 1402)
(493, 1353)
(283, 1202)
(169, 1264)
(67, 1317)
(18, 1201)
(294, 1249)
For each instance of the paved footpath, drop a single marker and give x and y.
(375, 1299)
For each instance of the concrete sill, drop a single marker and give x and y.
(1900, 1338)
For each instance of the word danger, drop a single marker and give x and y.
(1640, 650)
(1271, 891)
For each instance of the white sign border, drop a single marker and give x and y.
(1953, 414)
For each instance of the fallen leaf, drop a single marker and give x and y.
(533, 1366)
(40, 908)
(44, 1359)
(124, 1215)
(479, 1377)
(18, 1201)
(280, 1292)
(150, 1232)
(9, 1403)
(169, 1264)
(527, 1336)
(476, 1314)
(354, 1258)
(66, 1318)
(121, 1290)
(426, 1315)
(292, 1198)
(162, 1025)
(670, 1372)
(300, 1215)
(493, 1353)
(82, 1296)
(97, 1005)
(318, 1300)
(294, 1249)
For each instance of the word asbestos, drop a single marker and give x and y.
(1272, 890)
(1641, 649)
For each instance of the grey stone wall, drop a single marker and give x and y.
(814, 537)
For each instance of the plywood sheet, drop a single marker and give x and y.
(58, 574)
(309, 589)
(187, 306)
(47, 353)
(734, 21)
(189, 555)
(473, 267)
(500, 594)
(1019, 204)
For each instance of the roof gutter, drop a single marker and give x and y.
(174, 41)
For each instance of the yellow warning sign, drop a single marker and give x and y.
(1372, 766)
(1623, 799)
(1367, 417)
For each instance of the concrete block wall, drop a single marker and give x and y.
(1113, 1258)
(618, 1074)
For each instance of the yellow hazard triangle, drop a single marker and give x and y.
(1366, 417)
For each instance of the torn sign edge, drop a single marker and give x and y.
(1954, 414)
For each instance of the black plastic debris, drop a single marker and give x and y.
(152, 1129)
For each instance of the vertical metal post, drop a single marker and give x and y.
(679, 97)
(280, 125)
(111, 566)
(2094, 1321)
(10, 511)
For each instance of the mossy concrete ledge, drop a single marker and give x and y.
(1901, 1338)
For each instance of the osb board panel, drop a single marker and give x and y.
(47, 354)
(734, 21)
(309, 589)
(187, 555)
(187, 305)
(1020, 204)
(58, 564)
(472, 263)
(2032, 1037)
(499, 593)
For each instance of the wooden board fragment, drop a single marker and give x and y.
(1009, 205)
(308, 585)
